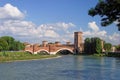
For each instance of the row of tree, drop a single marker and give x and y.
(117, 48)
(92, 45)
(95, 45)
(107, 47)
(8, 43)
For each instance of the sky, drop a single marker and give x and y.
(34, 21)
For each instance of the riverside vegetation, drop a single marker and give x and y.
(20, 56)
(12, 50)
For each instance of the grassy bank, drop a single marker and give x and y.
(99, 55)
(108, 54)
(16, 56)
(113, 54)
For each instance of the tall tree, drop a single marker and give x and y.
(107, 46)
(12, 44)
(98, 45)
(92, 45)
(10, 41)
(3, 45)
(117, 48)
(87, 46)
(18, 45)
(109, 10)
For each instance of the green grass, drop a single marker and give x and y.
(99, 55)
(16, 56)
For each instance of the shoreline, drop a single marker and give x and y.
(30, 59)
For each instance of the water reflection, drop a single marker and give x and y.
(64, 68)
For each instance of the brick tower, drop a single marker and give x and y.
(78, 45)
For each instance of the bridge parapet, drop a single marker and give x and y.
(51, 49)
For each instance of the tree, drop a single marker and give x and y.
(98, 45)
(93, 45)
(87, 46)
(117, 47)
(18, 45)
(11, 43)
(109, 10)
(3, 45)
(107, 46)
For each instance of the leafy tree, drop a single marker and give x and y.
(11, 43)
(107, 46)
(18, 45)
(3, 45)
(109, 10)
(117, 47)
(87, 46)
(93, 45)
(98, 45)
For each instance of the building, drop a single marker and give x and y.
(53, 48)
(78, 44)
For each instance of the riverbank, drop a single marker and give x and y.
(22, 56)
(108, 54)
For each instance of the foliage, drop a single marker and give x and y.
(99, 55)
(87, 46)
(19, 45)
(3, 45)
(98, 46)
(92, 45)
(113, 54)
(9, 40)
(107, 46)
(17, 55)
(109, 10)
(118, 48)
(10, 44)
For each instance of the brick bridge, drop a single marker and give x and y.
(50, 48)
(56, 47)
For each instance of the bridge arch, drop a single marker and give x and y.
(43, 50)
(64, 49)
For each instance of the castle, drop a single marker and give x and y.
(53, 48)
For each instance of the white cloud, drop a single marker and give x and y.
(65, 26)
(18, 27)
(51, 34)
(96, 32)
(10, 12)
(12, 23)
(93, 26)
(114, 38)
(29, 31)
(57, 26)
(59, 31)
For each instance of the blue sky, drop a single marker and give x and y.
(52, 20)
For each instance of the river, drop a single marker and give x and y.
(65, 68)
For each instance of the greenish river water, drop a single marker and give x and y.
(65, 68)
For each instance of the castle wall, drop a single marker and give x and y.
(78, 45)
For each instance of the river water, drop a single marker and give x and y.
(65, 68)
